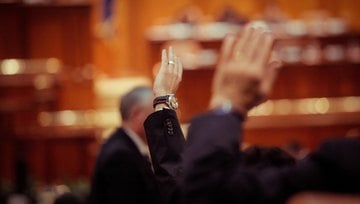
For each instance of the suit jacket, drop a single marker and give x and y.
(214, 171)
(166, 142)
(122, 174)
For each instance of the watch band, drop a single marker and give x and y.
(161, 99)
(169, 100)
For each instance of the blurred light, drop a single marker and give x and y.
(351, 104)
(322, 105)
(283, 106)
(305, 106)
(108, 118)
(11, 66)
(90, 116)
(53, 65)
(335, 26)
(62, 189)
(253, 112)
(290, 54)
(42, 82)
(353, 52)
(263, 109)
(267, 108)
(311, 54)
(295, 28)
(180, 31)
(334, 53)
(67, 117)
(310, 106)
(44, 118)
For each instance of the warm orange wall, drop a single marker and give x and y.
(112, 53)
(127, 52)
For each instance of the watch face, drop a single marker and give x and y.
(173, 103)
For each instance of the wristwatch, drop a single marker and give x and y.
(169, 100)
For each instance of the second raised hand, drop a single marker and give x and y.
(244, 77)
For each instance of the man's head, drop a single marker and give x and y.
(135, 106)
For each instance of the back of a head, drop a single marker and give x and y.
(134, 98)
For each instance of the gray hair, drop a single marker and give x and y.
(136, 97)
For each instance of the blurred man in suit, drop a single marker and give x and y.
(123, 172)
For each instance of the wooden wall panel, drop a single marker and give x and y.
(7, 158)
(11, 32)
(70, 155)
(43, 31)
(44, 34)
(64, 33)
(54, 159)
(36, 157)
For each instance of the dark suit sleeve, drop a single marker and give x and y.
(166, 142)
(124, 183)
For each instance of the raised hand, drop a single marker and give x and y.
(170, 73)
(246, 71)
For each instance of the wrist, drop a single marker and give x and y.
(227, 105)
(166, 101)
(158, 93)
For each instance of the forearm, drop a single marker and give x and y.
(166, 141)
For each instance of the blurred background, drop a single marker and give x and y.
(64, 64)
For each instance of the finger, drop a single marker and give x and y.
(176, 67)
(164, 61)
(275, 61)
(269, 78)
(227, 48)
(171, 58)
(242, 41)
(255, 43)
(262, 55)
(180, 69)
(176, 74)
